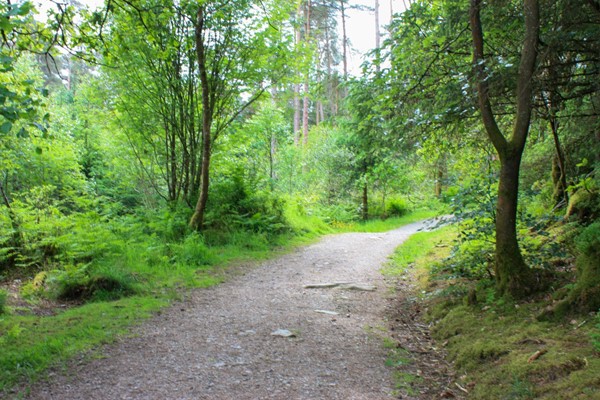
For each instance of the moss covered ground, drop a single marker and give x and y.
(499, 347)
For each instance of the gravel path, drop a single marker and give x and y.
(218, 344)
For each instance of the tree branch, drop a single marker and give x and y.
(526, 72)
(485, 106)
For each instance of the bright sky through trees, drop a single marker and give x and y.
(360, 24)
(361, 27)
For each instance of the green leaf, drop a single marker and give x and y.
(6, 127)
(40, 127)
(38, 150)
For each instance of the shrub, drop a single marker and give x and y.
(233, 207)
(170, 224)
(78, 283)
(586, 293)
(336, 213)
(397, 208)
(193, 251)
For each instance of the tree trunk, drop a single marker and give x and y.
(439, 176)
(305, 114)
(383, 199)
(559, 175)
(377, 38)
(365, 202)
(344, 39)
(317, 115)
(272, 151)
(297, 39)
(306, 80)
(16, 240)
(513, 276)
(197, 220)
(321, 111)
(377, 28)
(296, 114)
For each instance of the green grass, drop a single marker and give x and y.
(421, 250)
(404, 381)
(30, 344)
(3, 297)
(491, 342)
(378, 225)
(397, 356)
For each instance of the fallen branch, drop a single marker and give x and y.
(324, 285)
(536, 355)
(342, 285)
(461, 388)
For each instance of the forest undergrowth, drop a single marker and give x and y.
(500, 348)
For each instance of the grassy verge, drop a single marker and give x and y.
(498, 347)
(30, 344)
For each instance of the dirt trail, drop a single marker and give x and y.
(218, 344)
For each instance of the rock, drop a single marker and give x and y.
(283, 333)
(327, 312)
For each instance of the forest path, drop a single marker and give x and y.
(218, 343)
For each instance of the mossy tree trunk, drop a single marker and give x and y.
(513, 276)
(585, 296)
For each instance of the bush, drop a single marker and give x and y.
(193, 252)
(397, 208)
(78, 283)
(233, 207)
(470, 259)
(336, 213)
(586, 293)
(170, 224)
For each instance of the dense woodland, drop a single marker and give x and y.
(154, 131)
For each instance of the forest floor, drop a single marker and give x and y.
(277, 331)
